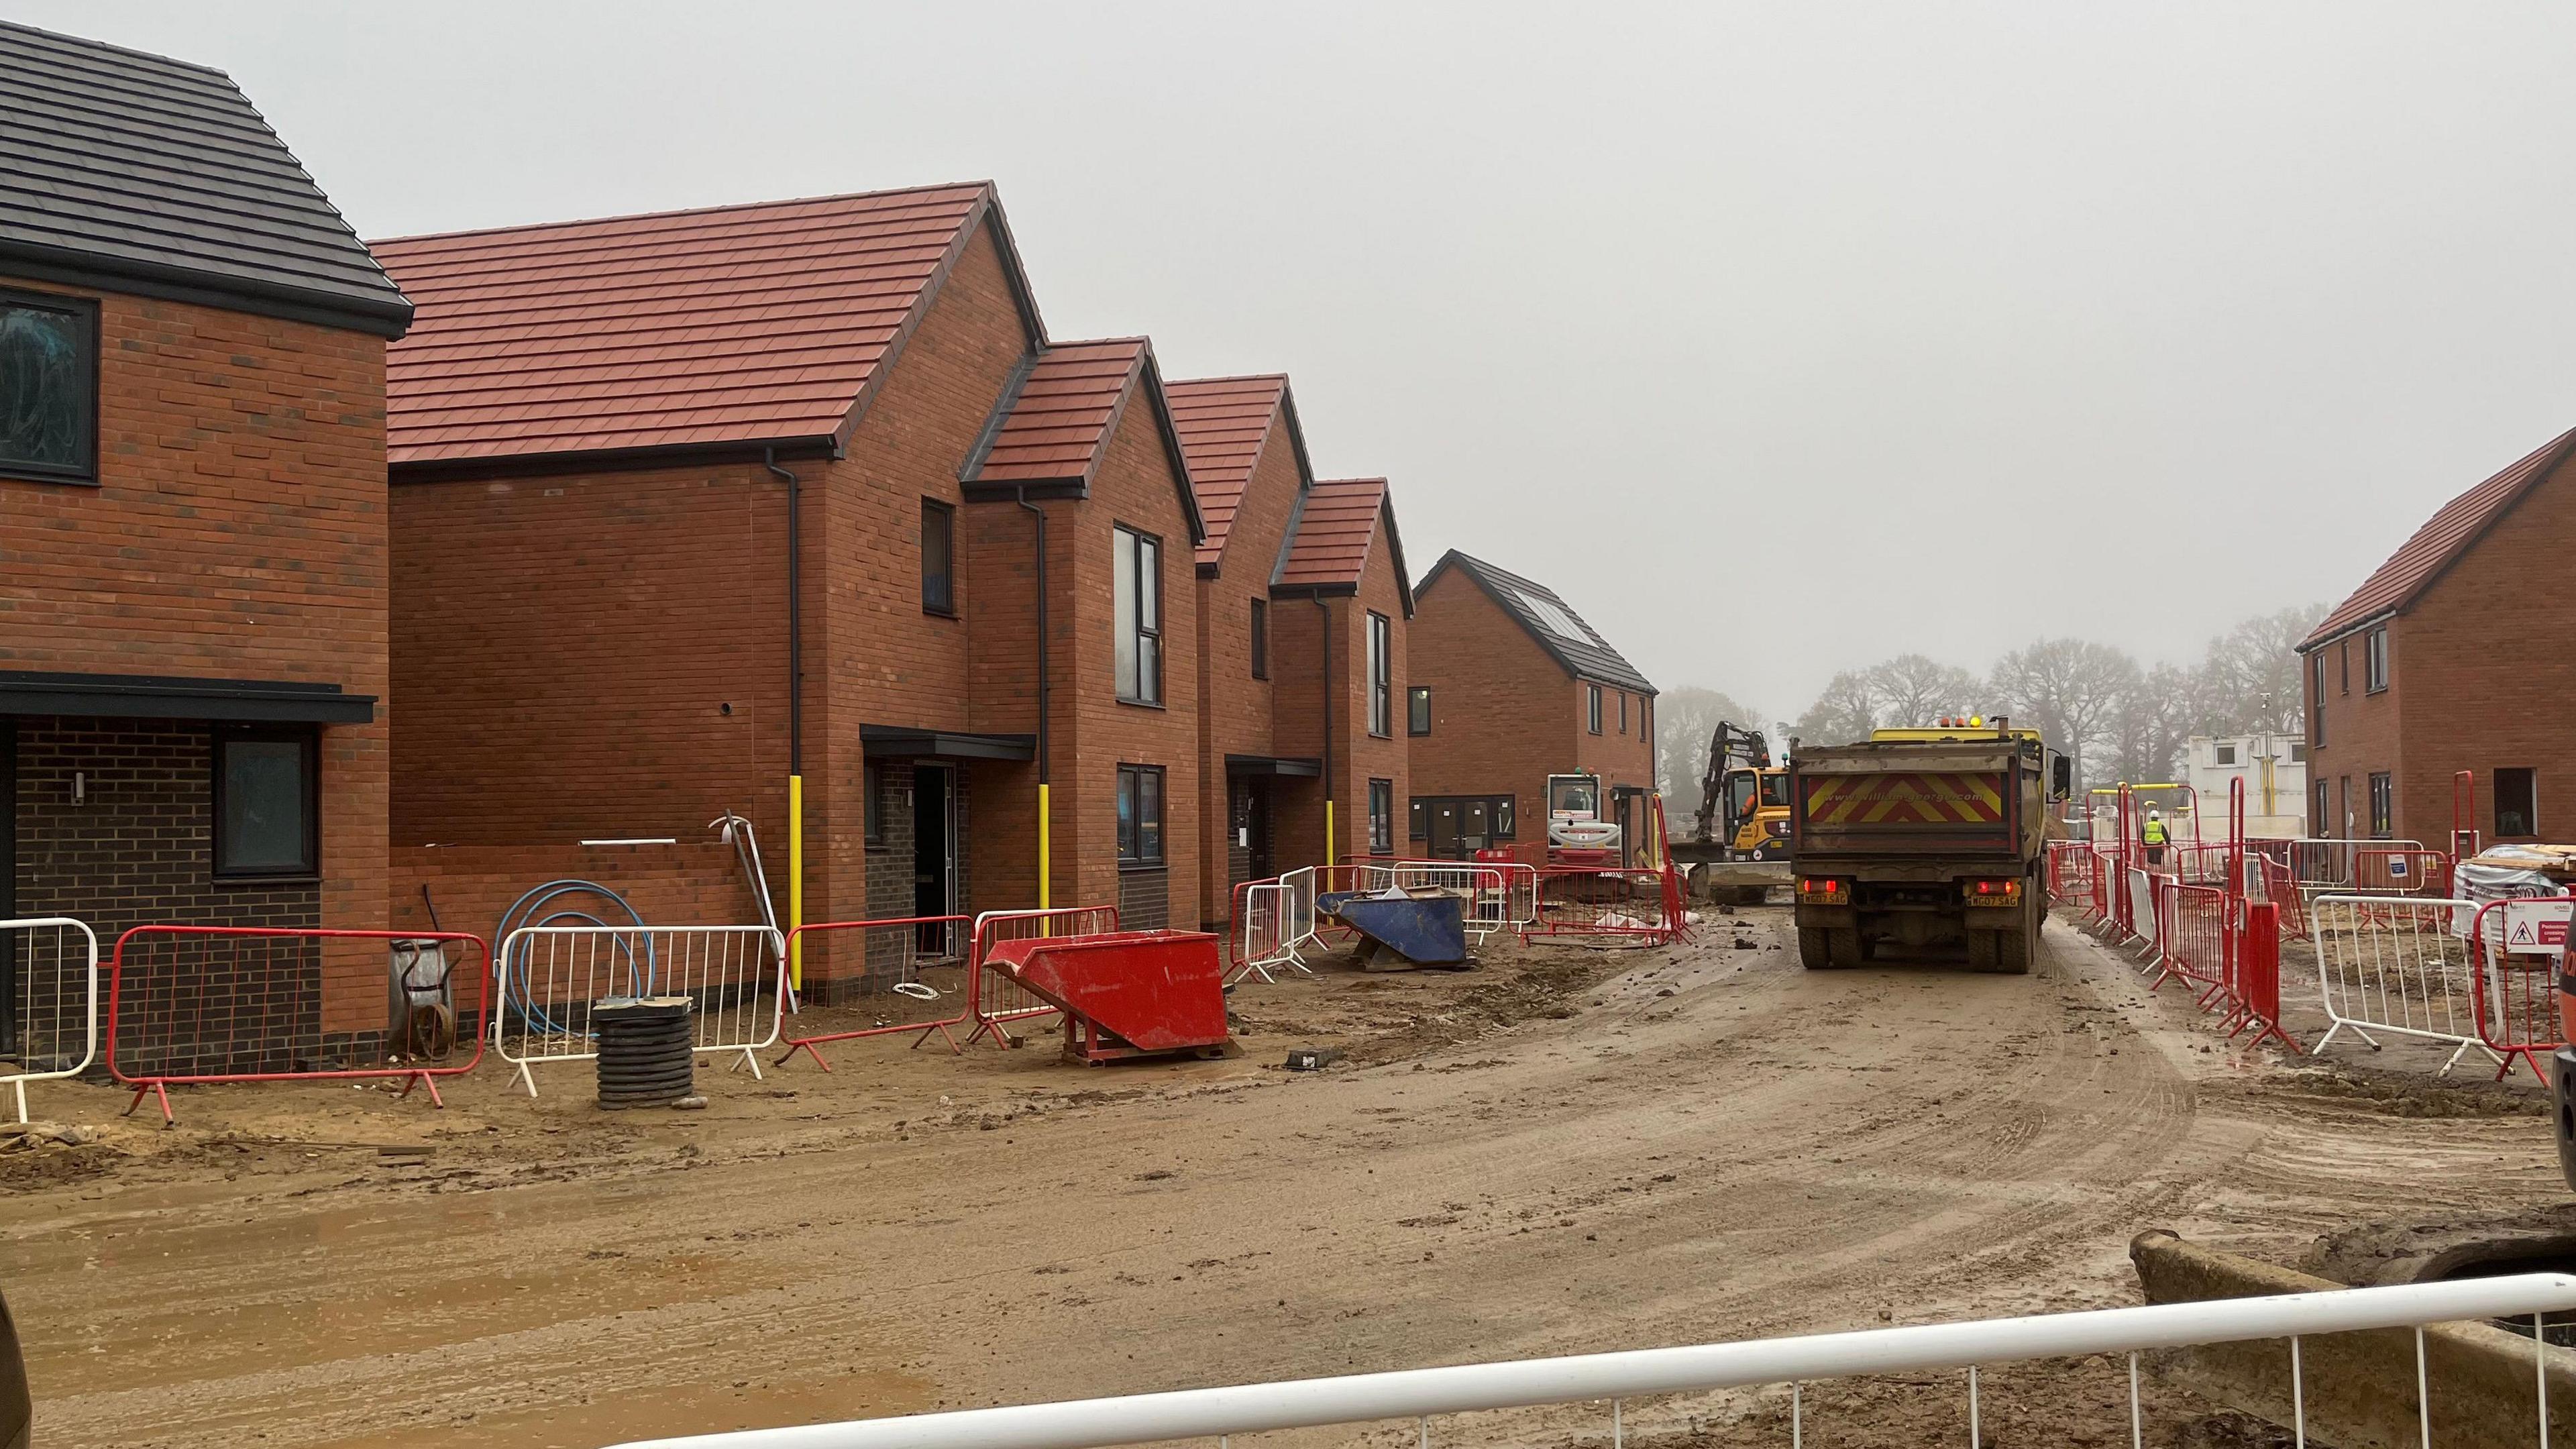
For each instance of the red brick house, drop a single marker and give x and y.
(687, 501)
(1278, 544)
(1508, 687)
(192, 511)
(2448, 658)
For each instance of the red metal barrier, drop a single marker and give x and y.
(2193, 944)
(2281, 889)
(893, 952)
(2072, 868)
(1582, 901)
(195, 1004)
(2515, 982)
(994, 997)
(2410, 871)
(2258, 973)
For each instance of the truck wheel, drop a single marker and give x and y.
(1816, 948)
(1982, 952)
(1847, 948)
(2013, 947)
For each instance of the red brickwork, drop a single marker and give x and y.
(1239, 709)
(238, 531)
(2475, 672)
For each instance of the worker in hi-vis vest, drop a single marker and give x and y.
(2153, 833)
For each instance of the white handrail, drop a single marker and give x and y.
(1415, 1393)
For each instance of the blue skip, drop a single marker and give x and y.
(1420, 930)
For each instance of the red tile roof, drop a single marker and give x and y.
(1056, 426)
(1337, 527)
(1224, 423)
(1060, 422)
(2443, 538)
(736, 324)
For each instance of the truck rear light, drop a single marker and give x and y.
(2003, 892)
(1823, 890)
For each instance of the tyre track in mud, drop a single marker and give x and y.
(1761, 1150)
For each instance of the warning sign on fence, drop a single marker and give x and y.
(2536, 928)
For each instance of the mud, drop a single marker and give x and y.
(1562, 1151)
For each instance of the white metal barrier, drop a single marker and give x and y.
(549, 977)
(2325, 863)
(998, 997)
(2397, 964)
(1269, 933)
(1298, 921)
(1417, 1394)
(51, 964)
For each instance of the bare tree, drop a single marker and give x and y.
(1846, 711)
(1685, 719)
(2068, 689)
(2248, 682)
(1914, 689)
(2150, 722)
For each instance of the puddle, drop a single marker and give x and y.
(662, 1412)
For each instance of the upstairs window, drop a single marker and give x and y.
(2226, 753)
(2374, 662)
(938, 557)
(1261, 638)
(1623, 711)
(1592, 708)
(48, 388)
(1417, 710)
(1381, 695)
(1138, 609)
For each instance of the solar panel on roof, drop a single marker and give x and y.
(1554, 619)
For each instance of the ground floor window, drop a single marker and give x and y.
(267, 799)
(2322, 822)
(2383, 804)
(1381, 801)
(1140, 814)
(2517, 802)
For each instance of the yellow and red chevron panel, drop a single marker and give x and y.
(1905, 799)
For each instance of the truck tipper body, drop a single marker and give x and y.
(1922, 838)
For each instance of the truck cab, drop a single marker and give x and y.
(1757, 813)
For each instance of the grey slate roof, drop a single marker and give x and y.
(137, 173)
(1575, 644)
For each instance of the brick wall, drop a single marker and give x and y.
(1359, 756)
(1503, 714)
(2476, 672)
(2363, 735)
(1239, 709)
(237, 531)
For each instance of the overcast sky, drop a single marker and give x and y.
(1779, 339)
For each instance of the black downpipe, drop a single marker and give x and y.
(795, 617)
(1022, 494)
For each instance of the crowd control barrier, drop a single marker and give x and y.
(50, 1031)
(2400, 965)
(1640, 906)
(997, 999)
(894, 954)
(2520, 946)
(194, 1004)
(1266, 932)
(735, 978)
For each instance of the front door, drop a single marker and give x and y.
(1252, 824)
(934, 844)
(1455, 829)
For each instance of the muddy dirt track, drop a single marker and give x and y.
(1565, 1151)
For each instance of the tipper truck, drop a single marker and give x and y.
(1923, 837)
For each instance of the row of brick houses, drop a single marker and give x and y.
(354, 584)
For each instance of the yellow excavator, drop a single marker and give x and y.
(1739, 842)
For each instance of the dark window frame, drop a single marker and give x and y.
(84, 473)
(1131, 544)
(1623, 712)
(872, 806)
(1381, 817)
(2382, 805)
(2343, 664)
(1417, 710)
(1131, 819)
(2528, 778)
(309, 738)
(1260, 638)
(1592, 708)
(2317, 709)
(2374, 661)
(1381, 676)
(1417, 819)
(943, 601)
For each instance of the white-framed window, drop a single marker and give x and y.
(1137, 606)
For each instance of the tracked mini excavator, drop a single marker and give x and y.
(1739, 842)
